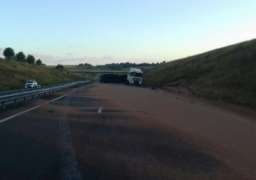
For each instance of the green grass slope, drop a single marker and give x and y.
(227, 73)
(13, 75)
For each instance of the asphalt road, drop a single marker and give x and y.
(104, 131)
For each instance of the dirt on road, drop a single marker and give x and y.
(226, 132)
(108, 131)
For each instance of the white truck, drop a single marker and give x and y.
(134, 76)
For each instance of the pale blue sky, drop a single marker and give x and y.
(99, 32)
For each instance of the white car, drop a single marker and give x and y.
(31, 84)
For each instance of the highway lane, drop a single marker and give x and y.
(101, 132)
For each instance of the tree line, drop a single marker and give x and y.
(9, 54)
(85, 65)
(119, 66)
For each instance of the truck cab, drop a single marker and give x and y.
(134, 76)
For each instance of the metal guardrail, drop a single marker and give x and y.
(29, 89)
(6, 97)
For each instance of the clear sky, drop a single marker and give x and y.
(106, 31)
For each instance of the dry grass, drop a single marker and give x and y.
(227, 73)
(14, 74)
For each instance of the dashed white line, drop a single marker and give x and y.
(69, 167)
(18, 114)
(100, 110)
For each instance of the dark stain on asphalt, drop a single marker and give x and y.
(114, 111)
(104, 110)
(110, 150)
(74, 101)
(97, 117)
(109, 145)
(144, 112)
(23, 158)
(49, 96)
(89, 110)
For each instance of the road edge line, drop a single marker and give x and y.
(23, 112)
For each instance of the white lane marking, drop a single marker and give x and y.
(69, 167)
(100, 110)
(18, 114)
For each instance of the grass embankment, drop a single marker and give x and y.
(227, 74)
(13, 75)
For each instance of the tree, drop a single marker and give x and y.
(20, 57)
(38, 62)
(31, 59)
(59, 67)
(8, 53)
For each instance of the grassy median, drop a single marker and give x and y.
(13, 75)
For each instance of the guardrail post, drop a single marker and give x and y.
(3, 105)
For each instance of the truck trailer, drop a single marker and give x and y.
(134, 77)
